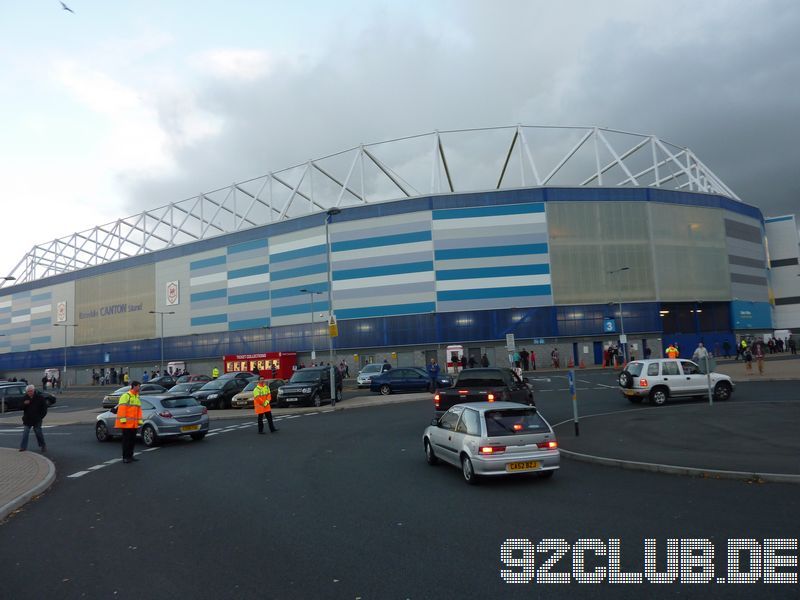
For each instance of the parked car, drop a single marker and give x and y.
(164, 416)
(181, 389)
(192, 378)
(407, 379)
(660, 379)
(165, 381)
(483, 385)
(492, 439)
(12, 395)
(110, 400)
(309, 386)
(244, 399)
(246, 375)
(218, 393)
(366, 374)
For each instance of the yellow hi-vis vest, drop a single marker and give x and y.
(129, 411)
(262, 397)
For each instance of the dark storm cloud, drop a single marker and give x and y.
(724, 81)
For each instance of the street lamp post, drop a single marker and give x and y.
(331, 212)
(313, 344)
(621, 321)
(64, 375)
(162, 313)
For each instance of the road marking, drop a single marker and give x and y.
(311, 413)
(607, 386)
(152, 449)
(113, 460)
(292, 416)
(59, 406)
(78, 474)
(95, 467)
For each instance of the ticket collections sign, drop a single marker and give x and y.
(284, 363)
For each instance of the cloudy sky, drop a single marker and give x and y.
(124, 106)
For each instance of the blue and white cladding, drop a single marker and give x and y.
(491, 257)
(248, 285)
(208, 291)
(298, 260)
(383, 266)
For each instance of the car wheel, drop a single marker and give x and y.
(722, 391)
(429, 455)
(149, 436)
(625, 379)
(198, 436)
(659, 396)
(317, 400)
(102, 433)
(467, 471)
(385, 389)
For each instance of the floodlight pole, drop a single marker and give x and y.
(621, 321)
(331, 212)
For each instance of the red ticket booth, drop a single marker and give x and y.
(263, 361)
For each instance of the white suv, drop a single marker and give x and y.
(663, 378)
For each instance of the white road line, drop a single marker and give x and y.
(78, 474)
(152, 449)
(113, 460)
(211, 434)
(293, 416)
(94, 468)
(59, 406)
(311, 413)
(136, 453)
(244, 426)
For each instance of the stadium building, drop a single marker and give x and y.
(562, 237)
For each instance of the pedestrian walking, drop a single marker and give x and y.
(554, 357)
(214, 373)
(758, 354)
(747, 356)
(484, 360)
(726, 347)
(524, 355)
(700, 356)
(44, 382)
(472, 362)
(433, 372)
(34, 410)
(672, 351)
(129, 418)
(792, 346)
(262, 403)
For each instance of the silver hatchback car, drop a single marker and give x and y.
(492, 439)
(164, 416)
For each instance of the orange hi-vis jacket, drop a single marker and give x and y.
(129, 411)
(672, 352)
(262, 398)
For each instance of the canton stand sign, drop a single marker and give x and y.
(173, 293)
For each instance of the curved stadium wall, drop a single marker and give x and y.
(419, 272)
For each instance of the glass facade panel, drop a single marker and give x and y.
(587, 240)
(691, 253)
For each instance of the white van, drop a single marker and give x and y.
(175, 366)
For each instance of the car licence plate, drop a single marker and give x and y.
(190, 427)
(629, 392)
(523, 466)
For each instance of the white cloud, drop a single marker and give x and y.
(236, 63)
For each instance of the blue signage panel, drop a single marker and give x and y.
(609, 326)
(751, 315)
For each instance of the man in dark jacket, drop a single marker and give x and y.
(34, 409)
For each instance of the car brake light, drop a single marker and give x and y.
(463, 391)
(436, 400)
(492, 449)
(166, 414)
(490, 398)
(643, 382)
(517, 427)
(551, 445)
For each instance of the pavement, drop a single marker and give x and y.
(751, 441)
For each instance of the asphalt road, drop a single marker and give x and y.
(343, 505)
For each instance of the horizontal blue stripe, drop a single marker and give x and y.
(299, 253)
(44, 296)
(42, 321)
(415, 267)
(20, 348)
(17, 330)
(383, 240)
(5, 309)
(488, 251)
(248, 324)
(502, 292)
(776, 219)
(199, 296)
(207, 262)
(481, 272)
(488, 211)
(251, 297)
(41, 340)
(245, 246)
(209, 320)
(5, 321)
(295, 291)
(297, 309)
(247, 271)
(385, 311)
(19, 313)
(299, 271)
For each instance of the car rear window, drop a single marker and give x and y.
(635, 368)
(514, 421)
(481, 378)
(179, 402)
